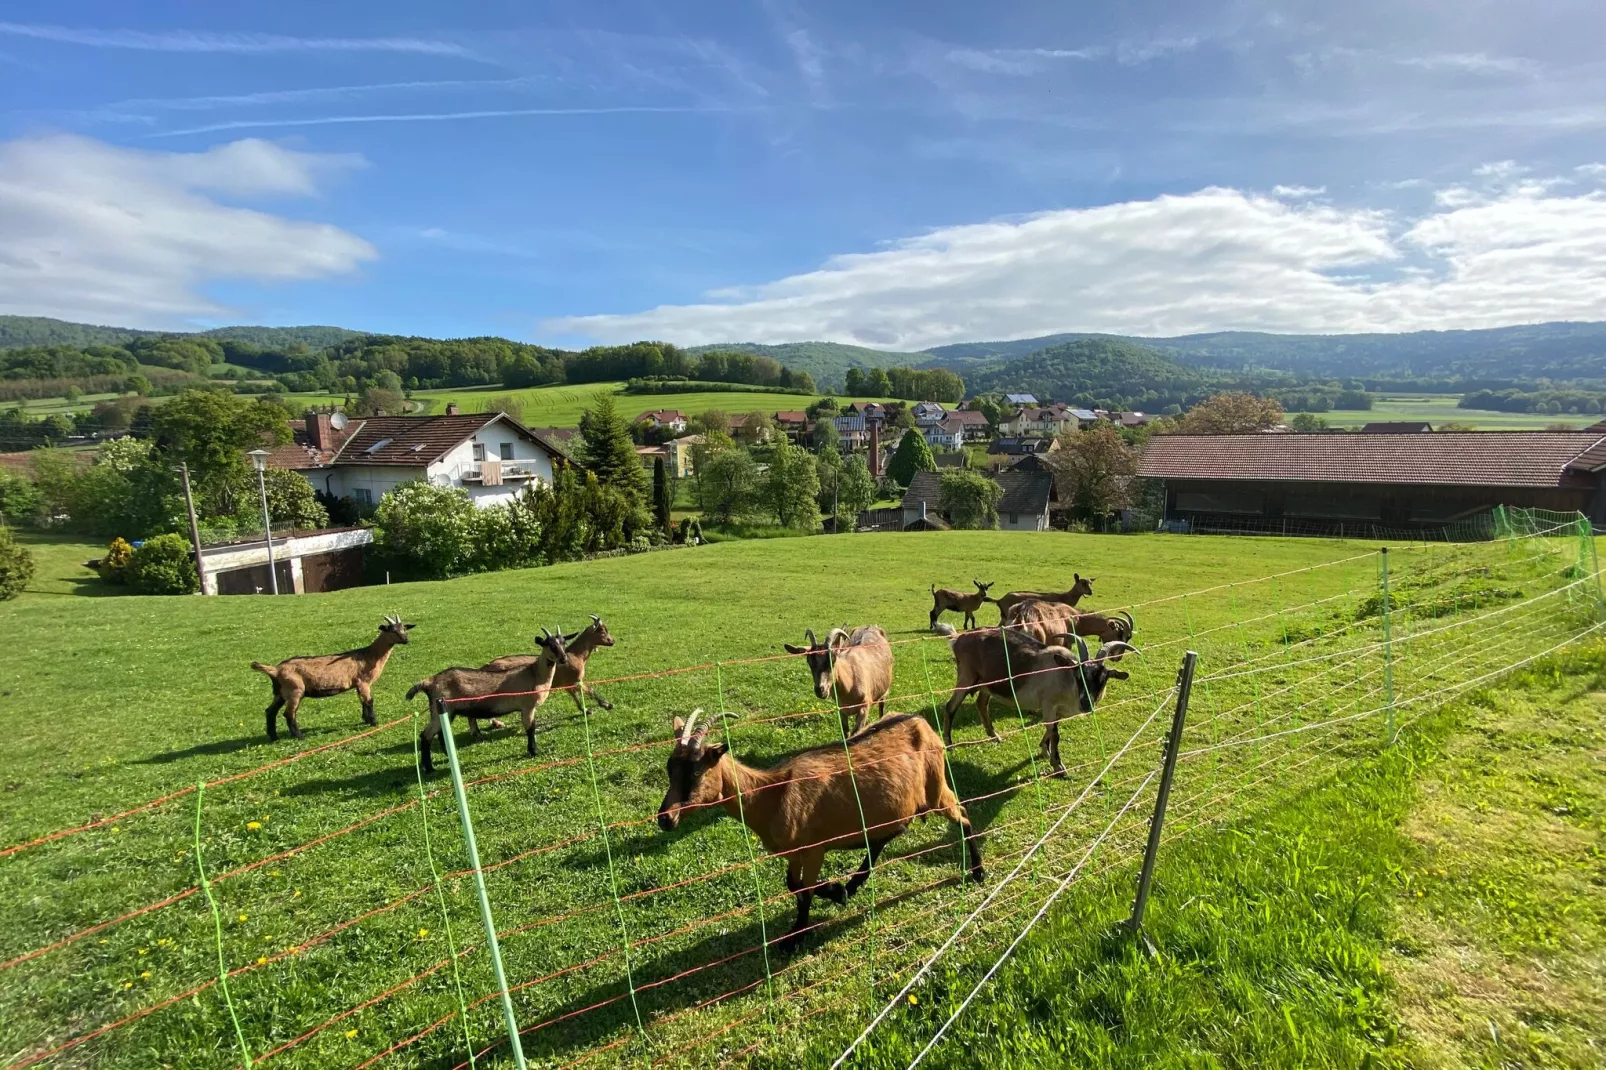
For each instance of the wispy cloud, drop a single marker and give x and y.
(447, 117)
(309, 95)
(1471, 63)
(1298, 192)
(1217, 259)
(197, 41)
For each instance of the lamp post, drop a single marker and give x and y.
(260, 459)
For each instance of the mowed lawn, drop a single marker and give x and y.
(1440, 409)
(111, 702)
(561, 406)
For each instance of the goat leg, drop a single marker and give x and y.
(862, 874)
(273, 719)
(291, 705)
(599, 700)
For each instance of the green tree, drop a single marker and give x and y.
(969, 499)
(826, 436)
(163, 565)
(1232, 414)
(853, 383)
(828, 463)
(607, 450)
(1095, 469)
(661, 499)
(803, 381)
(378, 401)
(729, 487)
(757, 428)
(19, 498)
(1307, 422)
(912, 455)
(877, 384)
(291, 501)
(212, 430)
(856, 492)
(16, 566)
(425, 531)
(793, 487)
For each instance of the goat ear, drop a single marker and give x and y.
(714, 753)
(679, 723)
(1119, 674)
(790, 649)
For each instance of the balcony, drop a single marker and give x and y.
(511, 472)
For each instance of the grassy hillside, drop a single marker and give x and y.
(145, 696)
(561, 406)
(828, 362)
(18, 331)
(1440, 409)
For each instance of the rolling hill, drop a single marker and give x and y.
(19, 331)
(828, 362)
(1096, 372)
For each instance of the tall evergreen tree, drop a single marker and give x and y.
(912, 455)
(607, 450)
(660, 495)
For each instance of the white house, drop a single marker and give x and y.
(947, 436)
(1023, 507)
(927, 413)
(490, 455)
(665, 419)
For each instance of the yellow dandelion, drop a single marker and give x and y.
(242, 917)
(262, 960)
(145, 973)
(128, 984)
(423, 933)
(117, 828)
(914, 1000)
(350, 1033)
(101, 941)
(144, 951)
(253, 824)
(296, 894)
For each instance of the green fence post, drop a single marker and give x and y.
(487, 921)
(1388, 646)
(217, 926)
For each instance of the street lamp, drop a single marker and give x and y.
(260, 459)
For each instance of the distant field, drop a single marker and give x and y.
(1441, 409)
(561, 406)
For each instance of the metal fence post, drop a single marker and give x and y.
(1388, 647)
(1173, 744)
(486, 920)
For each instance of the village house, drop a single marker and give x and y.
(672, 420)
(948, 435)
(973, 424)
(852, 430)
(927, 413)
(490, 455)
(794, 423)
(1019, 400)
(1027, 499)
(1004, 452)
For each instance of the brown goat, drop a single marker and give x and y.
(1048, 680)
(1078, 591)
(946, 598)
(811, 803)
(856, 667)
(481, 695)
(327, 675)
(1044, 621)
(572, 671)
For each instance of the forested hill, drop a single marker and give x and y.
(828, 362)
(1545, 350)
(19, 331)
(1097, 372)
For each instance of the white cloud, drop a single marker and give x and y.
(193, 41)
(1298, 193)
(89, 231)
(445, 117)
(1471, 63)
(1218, 259)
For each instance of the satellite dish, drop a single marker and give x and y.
(338, 421)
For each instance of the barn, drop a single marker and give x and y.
(1330, 482)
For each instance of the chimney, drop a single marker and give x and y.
(320, 431)
(451, 408)
(875, 450)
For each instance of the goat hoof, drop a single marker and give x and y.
(298, 734)
(835, 893)
(369, 719)
(979, 875)
(789, 943)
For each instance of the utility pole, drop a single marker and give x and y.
(195, 529)
(260, 459)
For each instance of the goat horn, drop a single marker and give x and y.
(596, 619)
(685, 733)
(808, 633)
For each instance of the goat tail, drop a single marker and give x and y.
(416, 688)
(263, 667)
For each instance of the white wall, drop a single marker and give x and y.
(346, 480)
(1023, 521)
(377, 479)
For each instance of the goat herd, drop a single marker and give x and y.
(863, 791)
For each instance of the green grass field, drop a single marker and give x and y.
(114, 702)
(1439, 409)
(561, 406)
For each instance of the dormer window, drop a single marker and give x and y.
(479, 451)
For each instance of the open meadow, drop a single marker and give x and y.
(351, 933)
(561, 406)
(1439, 409)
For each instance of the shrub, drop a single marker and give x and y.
(424, 530)
(969, 499)
(113, 566)
(19, 498)
(16, 566)
(163, 565)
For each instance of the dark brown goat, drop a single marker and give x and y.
(481, 695)
(1049, 680)
(1080, 589)
(811, 803)
(327, 675)
(571, 673)
(1045, 621)
(944, 599)
(856, 668)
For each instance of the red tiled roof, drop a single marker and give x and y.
(1473, 458)
(662, 416)
(415, 441)
(299, 454)
(792, 416)
(968, 417)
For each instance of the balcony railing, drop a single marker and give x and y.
(512, 472)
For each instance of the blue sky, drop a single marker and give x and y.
(897, 174)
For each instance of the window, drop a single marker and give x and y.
(363, 495)
(479, 451)
(505, 450)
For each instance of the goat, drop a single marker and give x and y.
(857, 667)
(810, 803)
(1044, 620)
(327, 675)
(1080, 589)
(946, 598)
(1030, 673)
(571, 674)
(479, 694)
